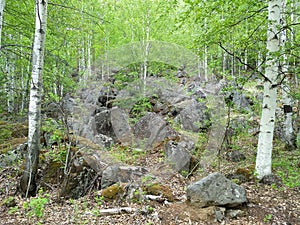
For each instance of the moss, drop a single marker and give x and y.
(248, 172)
(52, 172)
(113, 191)
(19, 130)
(11, 144)
(158, 189)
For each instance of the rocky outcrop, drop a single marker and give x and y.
(215, 190)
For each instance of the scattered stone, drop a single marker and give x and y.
(240, 101)
(123, 174)
(103, 123)
(234, 213)
(215, 190)
(235, 156)
(271, 179)
(103, 140)
(219, 214)
(178, 154)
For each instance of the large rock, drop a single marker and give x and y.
(120, 125)
(215, 190)
(152, 129)
(178, 154)
(116, 173)
(241, 101)
(103, 123)
(113, 123)
(193, 115)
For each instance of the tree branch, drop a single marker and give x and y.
(243, 63)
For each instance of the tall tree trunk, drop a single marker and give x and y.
(265, 145)
(2, 5)
(28, 179)
(288, 132)
(147, 48)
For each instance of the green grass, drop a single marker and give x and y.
(286, 166)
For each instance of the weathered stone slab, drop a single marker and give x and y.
(215, 190)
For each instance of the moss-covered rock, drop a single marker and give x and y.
(248, 172)
(53, 173)
(159, 189)
(114, 191)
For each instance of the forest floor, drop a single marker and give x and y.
(267, 204)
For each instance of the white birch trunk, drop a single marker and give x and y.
(28, 180)
(205, 55)
(288, 135)
(2, 5)
(259, 62)
(89, 57)
(147, 50)
(23, 77)
(224, 62)
(9, 85)
(265, 145)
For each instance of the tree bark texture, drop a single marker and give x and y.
(2, 5)
(28, 179)
(265, 145)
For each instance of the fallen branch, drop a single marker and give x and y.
(114, 211)
(159, 199)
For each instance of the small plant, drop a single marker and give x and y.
(184, 173)
(36, 206)
(268, 217)
(146, 178)
(99, 200)
(142, 106)
(13, 210)
(96, 212)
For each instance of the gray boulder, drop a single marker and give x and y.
(215, 190)
(120, 125)
(103, 123)
(113, 123)
(116, 173)
(103, 140)
(152, 129)
(193, 116)
(241, 101)
(178, 154)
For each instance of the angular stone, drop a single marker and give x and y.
(178, 154)
(215, 190)
(115, 173)
(120, 125)
(103, 123)
(152, 129)
(193, 116)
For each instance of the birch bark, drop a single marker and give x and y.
(2, 5)
(28, 179)
(265, 145)
(288, 132)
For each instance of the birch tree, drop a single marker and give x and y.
(264, 150)
(2, 5)
(28, 179)
(288, 132)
